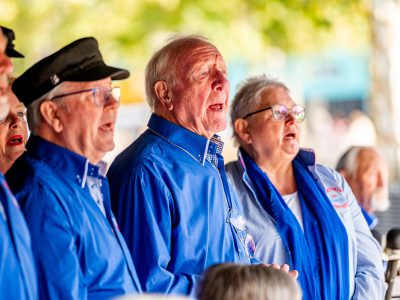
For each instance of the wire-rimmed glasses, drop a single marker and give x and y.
(101, 95)
(281, 112)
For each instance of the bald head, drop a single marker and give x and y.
(367, 174)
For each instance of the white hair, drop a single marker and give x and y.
(164, 64)
(33, 115)
(349, 160)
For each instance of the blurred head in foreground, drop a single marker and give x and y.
(242, 282)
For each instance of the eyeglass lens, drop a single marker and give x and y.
(281, 112)
(103, 95)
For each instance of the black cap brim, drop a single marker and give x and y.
(14, 53)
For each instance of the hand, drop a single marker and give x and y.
(284, 268)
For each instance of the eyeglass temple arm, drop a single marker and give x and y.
(257, 111)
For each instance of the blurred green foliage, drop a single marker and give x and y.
(130, 30)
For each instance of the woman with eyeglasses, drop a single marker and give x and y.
(299, 212)
(13, 133)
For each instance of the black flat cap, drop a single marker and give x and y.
(79, 61)
(10, 51)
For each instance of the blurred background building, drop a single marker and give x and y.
(340, 59)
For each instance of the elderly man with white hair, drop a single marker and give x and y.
(169, 188)
(367, 173)
(59, 181)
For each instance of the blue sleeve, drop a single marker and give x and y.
(369, 277)
(145, 214)
(53, 244)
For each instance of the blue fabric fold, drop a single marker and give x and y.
(320, 253)
(371, 219)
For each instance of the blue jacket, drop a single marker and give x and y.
(172, 206)
(79, 251)
(366, 268)
(371, 219)
(17, 270)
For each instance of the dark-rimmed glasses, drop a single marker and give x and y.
(101, 95)
(281, 112)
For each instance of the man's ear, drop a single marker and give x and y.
(241, 127)
(50, 112)
(163, 94)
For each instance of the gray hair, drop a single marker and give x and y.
(248, 96)
(33, 115)
(349, 162)
(256, 282)
(164, 64)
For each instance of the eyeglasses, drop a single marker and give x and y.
(239, 224)
(281, 112)
(101, 95)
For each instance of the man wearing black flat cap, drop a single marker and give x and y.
(17, 269)
(59, 182)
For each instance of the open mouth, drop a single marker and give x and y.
(290, 136)
(15, 140)
(107, 127)
(216, 107)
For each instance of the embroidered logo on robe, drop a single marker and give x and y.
(336, 194)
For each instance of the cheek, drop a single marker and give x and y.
(300, 132)
(368, 184)
(3, 136)
(24, 129)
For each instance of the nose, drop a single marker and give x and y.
(220, 81)
(15, 121)
(290, 119)
(111, 103)
(381, 180)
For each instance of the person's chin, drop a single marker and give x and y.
(107, 145)
(16, 152)
(292, 147)
(217, 125)
(380, 205)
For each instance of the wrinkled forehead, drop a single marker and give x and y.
(199, 54)
(14, 100)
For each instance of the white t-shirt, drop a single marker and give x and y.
(293, 202)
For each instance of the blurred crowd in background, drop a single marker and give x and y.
(338, 57)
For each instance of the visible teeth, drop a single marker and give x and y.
(15, 141)
(216, 106)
